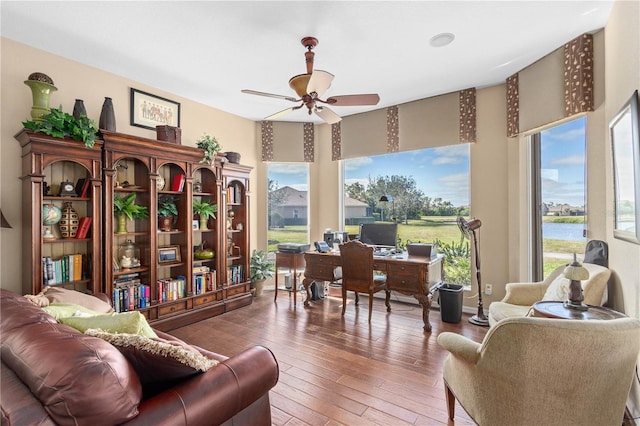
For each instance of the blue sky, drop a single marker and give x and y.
(563, 162)
(444, 172)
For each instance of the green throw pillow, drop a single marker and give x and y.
(65, 310)
(125, 322)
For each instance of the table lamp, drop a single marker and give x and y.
(575, 273)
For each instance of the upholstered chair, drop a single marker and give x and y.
(521, 296)
(542, 371)
(358, 274)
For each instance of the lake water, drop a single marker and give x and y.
(563, 231)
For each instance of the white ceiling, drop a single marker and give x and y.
(208, 51)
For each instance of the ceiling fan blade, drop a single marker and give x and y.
(270, 95)
(280, 113)
(319, 82)
(353, 100)
(327, 115)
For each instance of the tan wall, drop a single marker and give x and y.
(77, 81)
(622, 77)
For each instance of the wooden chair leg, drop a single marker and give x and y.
(387, 298)
(451, 401)
(357, 298)
(344, 299)
(370, 304)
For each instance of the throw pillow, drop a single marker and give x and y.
(62, 295)
(125, 322)
(65, 310)
(159, 363)
(558, 290)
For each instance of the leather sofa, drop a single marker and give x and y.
(53, 374)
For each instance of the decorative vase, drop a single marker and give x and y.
(79, 109)
(203, 223)
(107, 116)
(69, 221)
(259, 286)
(122, 224)
(129, 255)
(41, 92)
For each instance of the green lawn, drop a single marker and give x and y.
(428, 229)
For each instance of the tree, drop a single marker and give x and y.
(275, 198)
(403, 189)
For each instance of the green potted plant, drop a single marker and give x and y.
(261, 268)
(167, 212)
(125, 207)
(211, 147)
(204, 210)
(59, 124)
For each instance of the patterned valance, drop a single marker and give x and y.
(393, 130)
(578, 75)
(308, 130)
(467, 129)
(336, 140)
(267, 140)
(513, 107)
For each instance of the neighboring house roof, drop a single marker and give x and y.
(295, 198)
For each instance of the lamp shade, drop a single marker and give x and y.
(386, 198)
(576, 271)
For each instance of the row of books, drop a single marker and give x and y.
(234, 194)
(235, 274)
(171, 289)
(177, 183)
(131, 296)
(67, 268)
(82, 187)
(204, 280)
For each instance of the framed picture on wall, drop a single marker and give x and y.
(149, 110)
(169, 254)
(625, 141)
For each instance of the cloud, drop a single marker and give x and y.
(363, 182)
(356, 163)
(454, 154)
(288, 168)
(571, 160)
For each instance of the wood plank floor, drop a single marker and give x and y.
(338, 370)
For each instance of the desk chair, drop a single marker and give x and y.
(358, 275)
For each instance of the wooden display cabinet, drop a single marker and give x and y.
(169, 267)
(46, 163)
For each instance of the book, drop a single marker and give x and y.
(83, 227)
(77, 267)
(85, 188)
(80, 186)
(177, 183)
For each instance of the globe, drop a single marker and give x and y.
(50, 214)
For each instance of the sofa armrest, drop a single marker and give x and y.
(217, 395)
(524, 294)
(460, 346)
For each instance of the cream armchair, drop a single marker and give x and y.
(543, 371)
(521, 296)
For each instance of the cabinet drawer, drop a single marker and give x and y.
(235, 290)
(319, 272)
(173, 308)
(207, 298)
(406, 268)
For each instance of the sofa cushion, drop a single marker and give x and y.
(72, 375)
(65, 310)
(62, 295)
(125, 322)
(502, 310)
(558, 290)
(159, 363)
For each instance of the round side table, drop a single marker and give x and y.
(550, 309)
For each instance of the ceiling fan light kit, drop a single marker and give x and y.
(310, 87)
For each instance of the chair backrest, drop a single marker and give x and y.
(594, 288)
(357, 266)
(577, 372)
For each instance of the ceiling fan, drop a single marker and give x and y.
(311, 86)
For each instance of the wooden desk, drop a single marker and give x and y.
(293, 261)
(410, 275)
(550, 309)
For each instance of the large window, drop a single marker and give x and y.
(425, 191)
(288, 212)
(559, 190)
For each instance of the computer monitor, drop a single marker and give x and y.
(379, 234)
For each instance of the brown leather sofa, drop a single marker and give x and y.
(53, 374)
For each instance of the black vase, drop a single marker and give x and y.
(78, 109)
(107, 116)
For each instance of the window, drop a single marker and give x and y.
(559, 194)
(287, 208)
(426, 191)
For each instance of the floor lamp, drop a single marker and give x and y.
(468, 230)
(386, 199)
